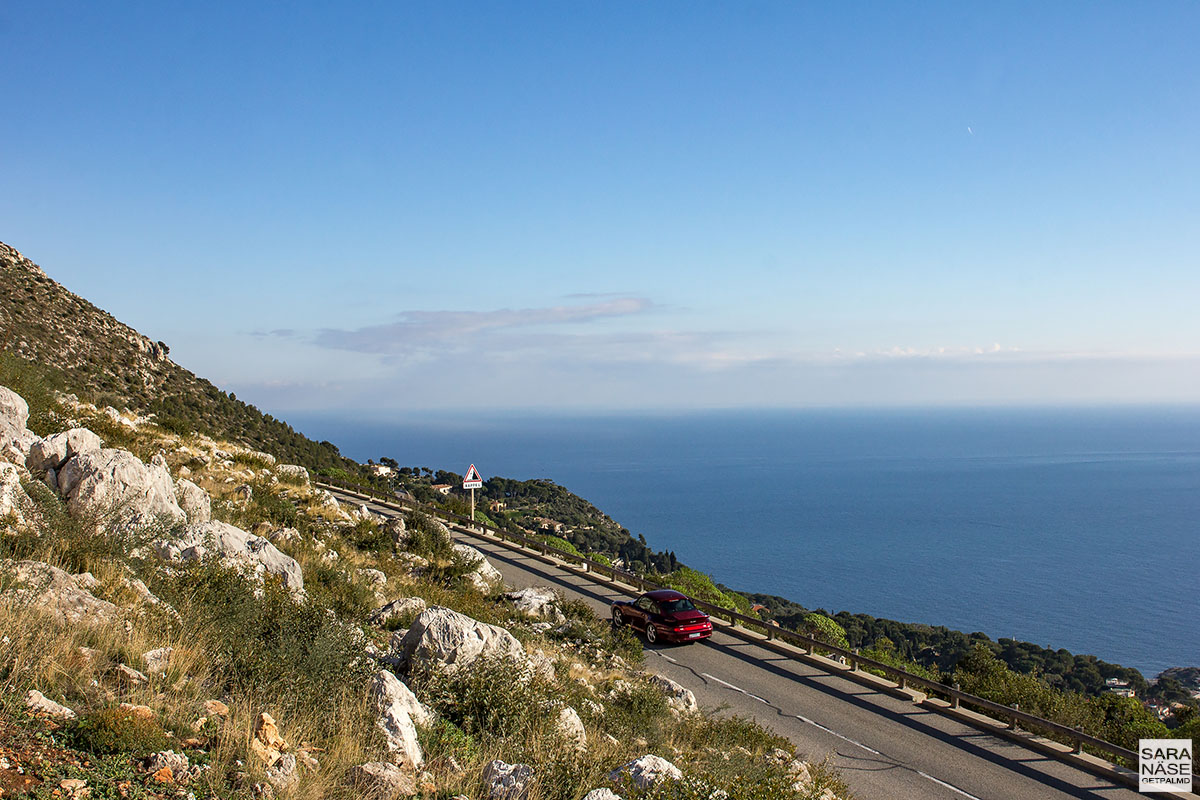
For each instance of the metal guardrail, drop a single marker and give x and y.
(903, 679)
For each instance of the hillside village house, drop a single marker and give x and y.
(444, 488)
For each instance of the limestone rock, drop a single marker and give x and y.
(602, 794)
(375, 577)
(378, 780)
(36, 584)
(194, 501)
(53, 451)
(14, 411)
(292, 472)
(679, 698)
(227, 541)
(388, 691)
(37, 703)
(284, 774)
(129, 675)
(14, 502)
(484, 576)
(444, 637)
(266, 743)
(399, 607)
(116, 481)
(508, 781)
(15, 438)
(537, 601)
(646, 771)
(157, 660)
(398, 711)
(570, 727)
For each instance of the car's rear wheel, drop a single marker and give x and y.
(617, 617)
(651, 633)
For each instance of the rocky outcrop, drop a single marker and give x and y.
(54, 451)
(646, 771)
(399, 712)
(15, 438)
(38, 585)
(232, 543)
(194, 501)
(109, 481)
(679, 698)
(292, 472)
(441, 637)
(40, 705)
(14, 503)
(484, 576)
(378, 780)
(506, 781)
(602, 794)
(537, 601)
(569, 726)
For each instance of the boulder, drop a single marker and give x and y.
(375, 577)
(157, 660)
(284, 774)
(402, 606)
(116, 481)
(194, 501)
(446, 638)
(646, 771)
(40, 705)
(292, 472)
(388, 691)
(678, 697)
(14, 503)
(378, 780)
(266, 743)
(484, 576)
(537, 601)
(396, 528)
(569, 726)
(227, 541)
(53, 451)
(14, 411)
(35, 584)
(399, 710)
(15, 438)
(506, 781)
(602, 794)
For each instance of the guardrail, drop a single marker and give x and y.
(903, 679)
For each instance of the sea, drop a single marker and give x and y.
(1074, 528)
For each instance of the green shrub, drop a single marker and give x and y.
(561, 544)
(444, 739)
(371, 537)
(823, 629)
(427, 537)
(494, 698)
(885, 650)
(114, 730)
(600, 557)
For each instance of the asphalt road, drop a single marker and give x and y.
(885, 748)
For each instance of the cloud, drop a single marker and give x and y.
(281, 333)
(429, 332)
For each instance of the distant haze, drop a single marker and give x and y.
(623, 205)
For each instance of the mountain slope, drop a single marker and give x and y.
(43, 324)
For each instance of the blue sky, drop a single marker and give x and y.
(398, 206)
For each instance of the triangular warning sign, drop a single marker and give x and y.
(473, 480)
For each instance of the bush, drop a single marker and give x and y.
(114, 730)
(494, 698)
(823, 629)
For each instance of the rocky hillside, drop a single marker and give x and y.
(79, 347)
(183, 616)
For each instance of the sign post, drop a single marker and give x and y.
(473, 481)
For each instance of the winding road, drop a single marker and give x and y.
(886, 747)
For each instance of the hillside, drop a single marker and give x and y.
(81, 348)
(187, 615)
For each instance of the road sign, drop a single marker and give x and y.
(473, 479)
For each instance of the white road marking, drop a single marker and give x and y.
(735, 688)
(668, 658)
(832, 732)
(948, 786)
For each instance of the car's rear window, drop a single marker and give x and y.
(671, 606)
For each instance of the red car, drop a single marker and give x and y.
(663, 614)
